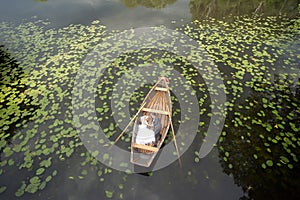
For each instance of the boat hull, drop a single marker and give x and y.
(158, 103)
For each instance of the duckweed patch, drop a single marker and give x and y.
(259, 62)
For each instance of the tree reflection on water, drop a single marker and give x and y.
(261, 147)
(148, 4)
(201, 9)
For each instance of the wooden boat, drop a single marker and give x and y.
(157, 102)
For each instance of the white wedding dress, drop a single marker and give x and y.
(144, 135)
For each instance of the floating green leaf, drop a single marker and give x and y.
(269, 163)
(109, 194)
(2, 189)
(40, 171)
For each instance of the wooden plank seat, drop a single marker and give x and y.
(156, 111)
(145, 147)
(161, 89)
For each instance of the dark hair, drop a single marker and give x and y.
(139, 121)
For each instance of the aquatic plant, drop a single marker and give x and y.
(38, 133)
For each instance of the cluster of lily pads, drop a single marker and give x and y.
(36, 122)
(260, 62)
(259, 65)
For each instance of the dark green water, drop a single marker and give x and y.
(256, 156)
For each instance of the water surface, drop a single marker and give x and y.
(43, 44)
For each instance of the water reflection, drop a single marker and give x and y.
(269, 168)
(201, 9)
(204, 179)
(148, 4)
(119, 14)
(15, 109)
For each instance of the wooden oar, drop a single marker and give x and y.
(173, 132)
(138, 112)
(175, 141)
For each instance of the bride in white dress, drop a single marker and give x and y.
(144, 134)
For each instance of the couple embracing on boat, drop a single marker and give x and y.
(148, 129)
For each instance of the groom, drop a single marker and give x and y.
(156, 127)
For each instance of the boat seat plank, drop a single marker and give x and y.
(156, 111)
(161, 89)
(145, 147)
